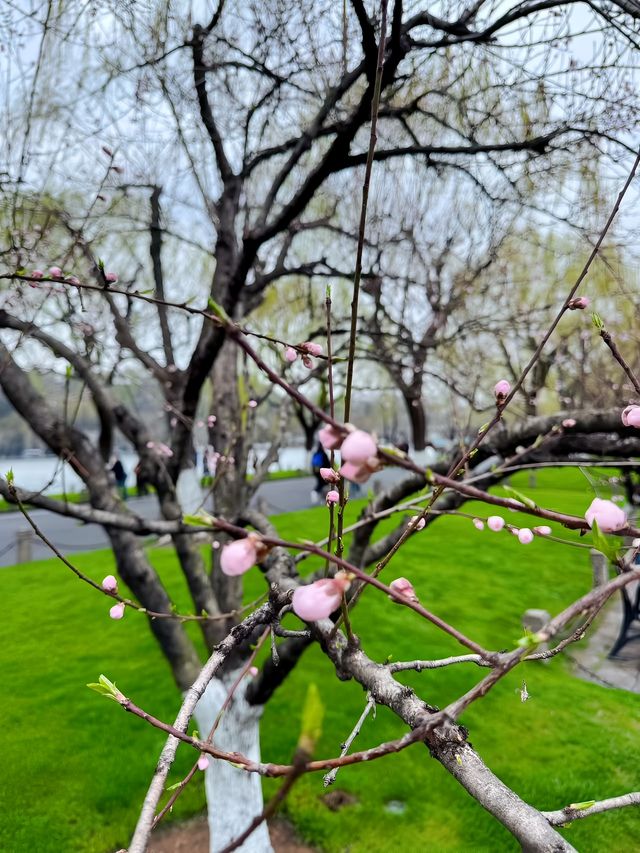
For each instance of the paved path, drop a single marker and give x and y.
(590, 657)
(71, 536)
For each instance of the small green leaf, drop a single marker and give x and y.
(105, 688)
(483, 428)
(200, 519)
(597, 321)
(218, 310)
(21, 271)
(520, 497)
(100, 264)
(9, 476)
(529, 641)
(576, 807)
(602, 543)
(173, 787)
(312, 716)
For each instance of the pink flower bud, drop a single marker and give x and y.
(631, 416)
(290, 355)
(417, 522)
(253, 671)
(110, 584)
(329, 475)
(117, 611)
(495, 523)
(306, 360)
(55, 272)
(111, 277)
(542, 530)
(37, 274)
(568, 423)
(404, 588)
(252, 404)
(478, 524)
(203, 762)
(525, 535)
(330, 438)
(358, 447)
(355, 473)
(311, 348)
(238, 557)
(608, 516)
(579, 304)
(211, 420)
(72, 279)
(332, 497)
(501, 389)
(319, 600)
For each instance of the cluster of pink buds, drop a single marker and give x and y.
(160, 448)
(606, 514)
(631, 417)
(403, 587)
(358, 451)
(579, 304)
(110, 585)
(320, 599)
(239, 556)
(306, 350)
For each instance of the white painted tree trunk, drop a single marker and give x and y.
(234, 797)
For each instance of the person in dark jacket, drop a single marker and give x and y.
(120, 476)
(318, 460)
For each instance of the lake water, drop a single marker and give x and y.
(47, 473)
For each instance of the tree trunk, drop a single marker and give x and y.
(418, 421)
(234, 797)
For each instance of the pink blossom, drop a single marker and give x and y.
(330, 437)
(631, 416)
(404, 588)
(569, 422)
(608, 516)
(110, 584)
(311, 348)
(203, 762)
(478, 524)
(495, 523)
(525, 535)
(329, 475)
(579, 304)
(332, 497)
(542, 530)
(252, 404)
(358, 447)
(55, 272)
(253, 671)
(117, 611)
(111, 277)
(160, 448)
(290, 355)
(211, 420)
(37, 274)
(355, 473)
(501, 389)
(238, 557)
(417, 522)
(319, 600)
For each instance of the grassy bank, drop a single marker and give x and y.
(76, 767)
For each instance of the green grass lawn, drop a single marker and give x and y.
(76, 767)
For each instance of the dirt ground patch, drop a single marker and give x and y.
(192, 836)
